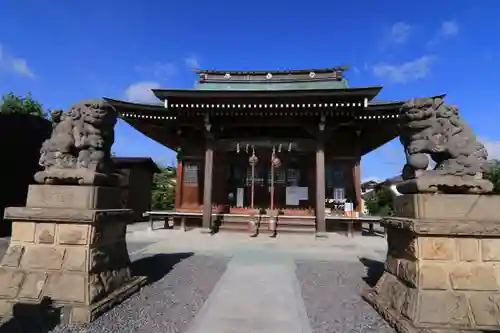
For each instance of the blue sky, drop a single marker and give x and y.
(66, 51)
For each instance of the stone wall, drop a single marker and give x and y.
(442, 271)
(458, 271)
(51, 259)
(76, 256)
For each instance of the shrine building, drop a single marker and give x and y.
(274, 140)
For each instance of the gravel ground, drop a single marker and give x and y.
(167, 305)
(331, 296)
(180, 284)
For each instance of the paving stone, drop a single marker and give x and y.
(255, 296)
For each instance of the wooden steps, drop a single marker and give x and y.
(286, 224)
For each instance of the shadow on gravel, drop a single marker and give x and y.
(157, 266)
(374, 271)
(32, 318)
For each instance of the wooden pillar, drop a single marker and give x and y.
(311, 191)
(207, 185)
(357, 184)
(219, 195)
(357, 172)
(320, 187)
(178, 184)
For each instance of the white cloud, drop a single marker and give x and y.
(492, 146)
(10, 63)
(400, 32)
(140, 92)
(405, 72)
(192, 62)
(158, 70)
(448, 29)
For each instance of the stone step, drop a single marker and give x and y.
(284, 226)
(266, 231)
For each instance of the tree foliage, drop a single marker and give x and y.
(13, 104)
(493, 175)
(382, 202)
(163, 193)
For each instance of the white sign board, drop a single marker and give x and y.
(294, 194)
(239, 197)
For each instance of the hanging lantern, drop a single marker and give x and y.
(253, 160)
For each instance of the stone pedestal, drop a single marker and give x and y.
(442, 272)
(68, 244)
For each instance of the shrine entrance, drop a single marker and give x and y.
(216, 127)
(263, 178)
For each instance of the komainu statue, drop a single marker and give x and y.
(431, 129)
(79, 149)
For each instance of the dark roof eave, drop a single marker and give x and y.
(134, 106)
(368, 92)
(291, 71)
(393, 104)
(384, 106)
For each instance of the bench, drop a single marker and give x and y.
(168, 214)
(350, 220)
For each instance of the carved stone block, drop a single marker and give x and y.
(66, 287)
(55, 253)
(23, 232)
(12, 256)
(445, 184)
(452, 282)
(490, 249)
(75, 259)
(437, 248)
(33, 285)
(79, 197)
(447, 206)
(42, 257)
(10, 282)
(468, 249)
(73, 234)
(45, 233)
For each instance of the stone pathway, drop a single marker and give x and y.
(257, 293)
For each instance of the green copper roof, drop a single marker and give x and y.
(327, 84)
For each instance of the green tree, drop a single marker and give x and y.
(382, 202)
(493, 175)
(163, 193)
(11, 103)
